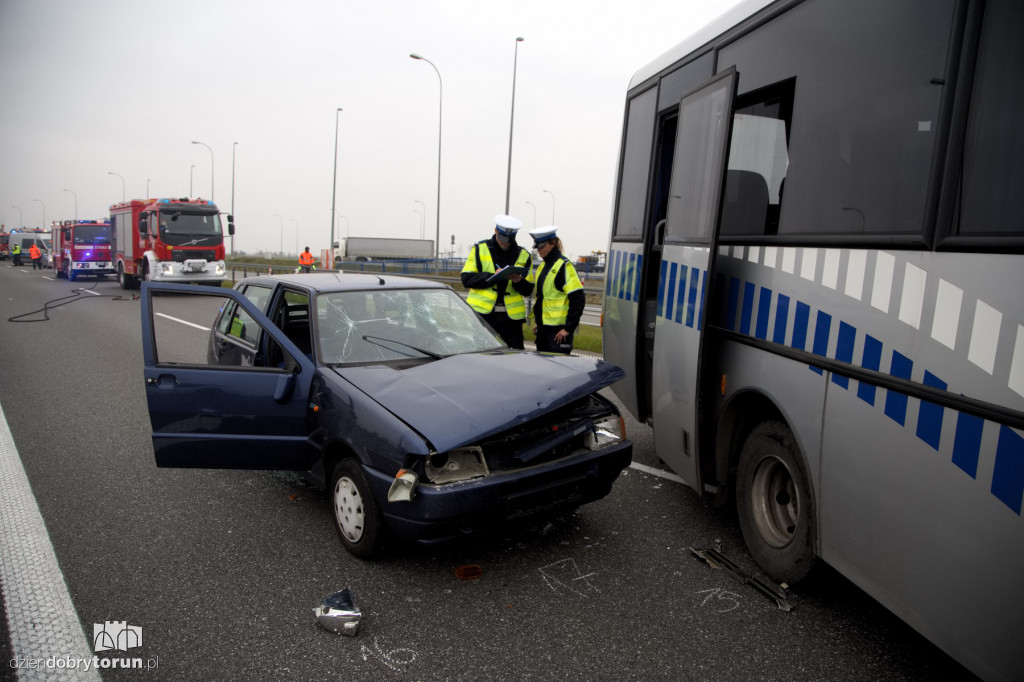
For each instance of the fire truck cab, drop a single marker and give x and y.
(82, 247)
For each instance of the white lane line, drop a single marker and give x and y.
(40, 616)
(191, 324)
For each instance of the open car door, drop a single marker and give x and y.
(225, 387)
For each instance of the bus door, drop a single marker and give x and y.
(698, 166)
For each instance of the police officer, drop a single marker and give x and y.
(499, 299)
(306, 260)
(560, 296)
(16, 253)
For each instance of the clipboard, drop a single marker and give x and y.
(506, 272)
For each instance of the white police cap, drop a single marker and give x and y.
(542, 234)
(507, 225)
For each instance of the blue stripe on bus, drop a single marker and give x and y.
(1008, 474)
(613, 268)
(871, 359)
(661, 288)
(844, 351)
(803, 314)
(896, 402)
(748, 307)
(764, 308)
(929, 416)
(781, 319)
(967, 443)
(691, 304)
(732, 304)
(681, 296)
(670, 297)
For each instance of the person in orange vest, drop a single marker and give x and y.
(37, 257)
(306, 260)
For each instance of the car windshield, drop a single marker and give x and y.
(398, 324)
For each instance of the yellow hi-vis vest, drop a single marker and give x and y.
(555, 303)
(483, 300)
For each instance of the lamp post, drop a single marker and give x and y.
(44, 211)
(282, 232)
(511, 120)
(147, 188)
(234, 146)
(21, 220)
(122, 183)
(76, 202)
(192, 168)
(423, 216)
(440, 99)
(534, 207)
(552, 204)
(334, 181)
(211, 166)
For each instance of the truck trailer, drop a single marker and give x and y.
(382, 248)
(168, 240)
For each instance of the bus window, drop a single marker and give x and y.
(758, 162)
(636, 155)
(993, 170)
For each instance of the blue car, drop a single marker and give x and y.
(389, 392)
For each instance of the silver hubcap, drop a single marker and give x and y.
(348, 509)
(775, 501)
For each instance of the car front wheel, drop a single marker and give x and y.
(773, 501)
(356, 515)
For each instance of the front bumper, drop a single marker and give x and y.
(443, 512)
(191, 270)
(93, 267)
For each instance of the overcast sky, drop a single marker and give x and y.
(92, 87)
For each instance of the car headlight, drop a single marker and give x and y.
(456, 465)
(609, 430)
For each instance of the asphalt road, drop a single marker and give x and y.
(222, 569)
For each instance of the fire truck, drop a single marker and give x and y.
(168, 240)
(5, 252)
(82, 247)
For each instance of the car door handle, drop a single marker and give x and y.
(162, 381)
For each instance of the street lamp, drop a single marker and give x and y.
(190, 170)
(423, 215)
(234, 146)
(147, 188)
(334, 182)
(282, 232)
(552, 205)
(122, 183)
(534, 207)
(511, 119)
(21, 220)
(440, 99)
(76, 202)
(44, 211)
(211, 166)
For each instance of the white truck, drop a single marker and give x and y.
(382, 248)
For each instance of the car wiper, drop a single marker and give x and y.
(370, 338)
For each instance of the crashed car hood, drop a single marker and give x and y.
(463, 398)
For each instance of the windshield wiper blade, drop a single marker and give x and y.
(370, 338)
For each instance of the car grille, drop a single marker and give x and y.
(182, 255)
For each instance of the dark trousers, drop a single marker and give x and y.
(510, 331)
(37, 263)
(546, 341)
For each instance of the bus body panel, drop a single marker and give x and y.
(877, 313)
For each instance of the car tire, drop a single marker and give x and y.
(356, 516)
(773, 501)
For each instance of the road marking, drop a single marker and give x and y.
(667, 475)
(40, 616)
(191, 324)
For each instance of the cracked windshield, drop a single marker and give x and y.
(370, 326)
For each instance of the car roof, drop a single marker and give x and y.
(326, 282)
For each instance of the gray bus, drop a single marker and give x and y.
(815, 284)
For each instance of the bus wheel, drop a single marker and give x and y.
(774, 505)
(356, 516)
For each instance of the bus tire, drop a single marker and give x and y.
(774, 505)
(356, 516)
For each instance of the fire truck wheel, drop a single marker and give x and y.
(122, 278)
